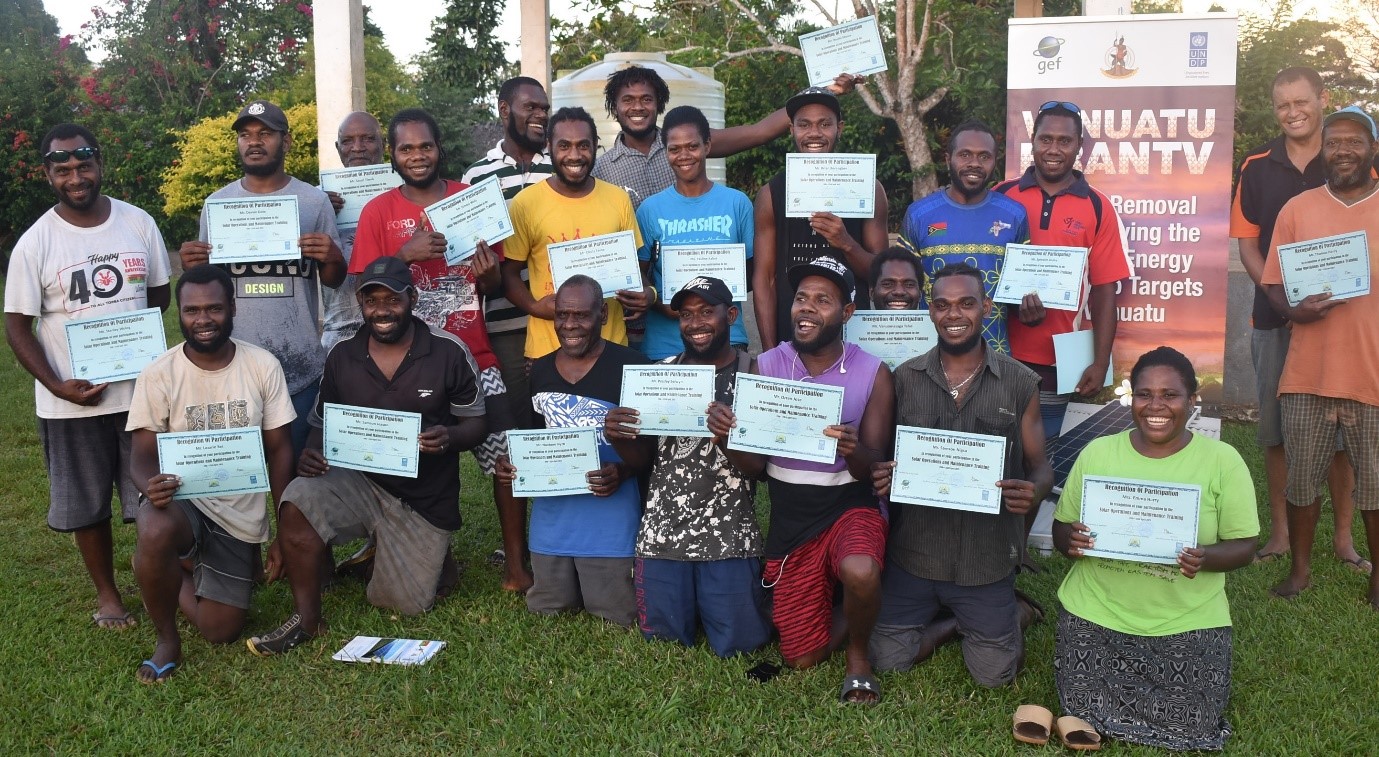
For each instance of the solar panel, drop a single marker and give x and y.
(1062, 452)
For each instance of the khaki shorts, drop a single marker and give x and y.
(1310, 425)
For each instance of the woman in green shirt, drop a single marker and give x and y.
(1143, 649)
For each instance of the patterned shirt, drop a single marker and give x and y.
(700, 507)
(641, 175)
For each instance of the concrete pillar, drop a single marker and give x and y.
(535, 41)
(1029, 8)
(338, 35)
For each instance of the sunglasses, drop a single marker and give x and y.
(1051, 104)
(62, 156)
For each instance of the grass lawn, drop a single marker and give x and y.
(1305, 671)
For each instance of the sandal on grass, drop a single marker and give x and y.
(1077, 734)
(863, 683)
(160, 673)
(1032, 724)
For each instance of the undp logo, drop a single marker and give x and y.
(1197, 50)
(1048, 49)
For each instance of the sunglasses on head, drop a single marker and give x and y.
(62, 156)
(1051, 104)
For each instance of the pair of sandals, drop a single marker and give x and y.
(1034, 724)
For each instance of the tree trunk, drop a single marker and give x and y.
(915, 141)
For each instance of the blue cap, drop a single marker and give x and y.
(1353, 113)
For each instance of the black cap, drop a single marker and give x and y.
(810, 96)
(265, 113)
(829, 268)
(387, 271)
(707, 288)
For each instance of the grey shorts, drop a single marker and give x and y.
(87, 459)
(1268, 350)
(993, 645)
(343, 505)
(601, 585)
(1311, 423)
(222, 566)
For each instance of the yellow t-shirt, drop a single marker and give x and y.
(541, 216)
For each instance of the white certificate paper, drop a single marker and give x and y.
(253, 229)
(681, 264)
(1143, 521)
(610, 259)
(786, 418)
(553, 462)
(892, 335)
(472, 214)
(843, 184)
(214, 463)
(115, 347)
(1072, 353)
(1336, 265)
(948, 469)
(853, 47)
(671, 400)
(371, 440)
(356, 186)
(1054, 273)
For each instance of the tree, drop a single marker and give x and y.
(460, 75)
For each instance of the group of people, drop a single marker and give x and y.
(666, 539)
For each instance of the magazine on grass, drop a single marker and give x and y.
(389, 651)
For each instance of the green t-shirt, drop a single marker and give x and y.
(1145, 599)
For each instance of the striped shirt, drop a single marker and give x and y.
(499, 312)
(967, 548)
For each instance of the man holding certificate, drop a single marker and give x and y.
(782, 241)
(359, 143)
(1068, 212)
(569, 205)
(278, 301)
(965, 222)
(1328, 378)
(826, 524)
(944, 551)
(399, 364)
(209, 383)
(449, 297)
(581, 544)
(693, 212)
(90, 255)
(698, 548)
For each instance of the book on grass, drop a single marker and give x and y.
(389, 651)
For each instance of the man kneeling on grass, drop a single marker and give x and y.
(396, 362)
(207, 383)
(699, 548)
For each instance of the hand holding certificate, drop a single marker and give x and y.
(253, 229)
(1053, 273)
(671, 400)
(553, 462)
(786, 418)
(609, 259)
(371, 440)
(1143, 521)
(681, 264)
(949, 469)
(214, 463)
(892, 335)
(115, 347)
(1336, 265)
(465, 218)
(853, 47)
(357, 186)
(843, 184)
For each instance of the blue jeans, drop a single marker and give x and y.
(303, 402)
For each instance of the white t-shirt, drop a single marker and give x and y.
(61, 273)
(173, 394)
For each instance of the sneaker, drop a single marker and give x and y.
(281, 639)
(358, 565)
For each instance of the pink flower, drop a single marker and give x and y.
(305, 9)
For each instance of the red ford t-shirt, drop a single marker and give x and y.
(448, 296)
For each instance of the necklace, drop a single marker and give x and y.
(954, 390)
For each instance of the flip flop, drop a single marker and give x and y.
(159, 674)
(1077, 734)
(114, 622)
(860, 683)
(1269, 556)
(1288, 595)
(1032, 724)
(1360, 565)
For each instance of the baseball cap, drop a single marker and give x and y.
(707, 288)
(387, 271)
(810, 96)
(1353, 113)
(829, 268)
(265, 113)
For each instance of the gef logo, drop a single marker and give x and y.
(1197, 50)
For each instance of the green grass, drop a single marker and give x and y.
(511, 682)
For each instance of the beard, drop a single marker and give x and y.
(1343, 181)
(563, 179)
(521, 138)
(266, 169)
(215, 344)
(639, 134)
(963, 347)
(394, 337)
(962, 188)
(424, 182)
(715, 345)
(827, 334)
